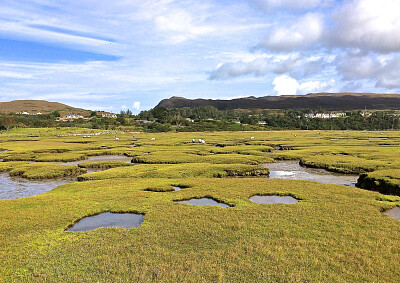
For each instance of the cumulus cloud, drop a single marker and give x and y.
(285, 85)
(315, 86)
(383, 70)
(136, 105)
(368, 25)
(356, 41)
(303, 33)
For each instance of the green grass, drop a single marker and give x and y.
(104, 164)
(46, 171)
(7, 166)
(334, 234)
(178, 171)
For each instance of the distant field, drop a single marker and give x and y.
(333, 234)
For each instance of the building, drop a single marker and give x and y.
(109, 115)
(72, 116)
(325, 115)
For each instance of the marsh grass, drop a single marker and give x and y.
(104, 164)
(46, 171)
(178, 171)
(335, 234)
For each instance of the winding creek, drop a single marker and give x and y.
(17, 187)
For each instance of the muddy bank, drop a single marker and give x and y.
(365, 181)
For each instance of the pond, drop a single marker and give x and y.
(107, 219)
(17, 187)
(274, 199)
(204, 201)
(294, 171)
(394, 212)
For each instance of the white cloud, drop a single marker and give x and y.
(285, 85)
(368, 25)
(304, 33)
(136, 105)
(314, 86)
(297, 65)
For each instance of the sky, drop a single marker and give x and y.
(130, 54)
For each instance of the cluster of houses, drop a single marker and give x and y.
(26, 113)
(325, 115)
(71, 116)
(109, 115)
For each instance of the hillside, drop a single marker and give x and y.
(328, 101)
(42, 106)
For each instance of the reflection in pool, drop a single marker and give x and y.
(204, 201)
(108, 219)
(293, 170)
(394, 212)
(17, 187)
(274, 199)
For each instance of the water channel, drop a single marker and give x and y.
(294, 171)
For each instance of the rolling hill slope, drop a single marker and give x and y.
(42, 106)
(328, 101)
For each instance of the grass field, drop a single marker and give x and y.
(333, 234)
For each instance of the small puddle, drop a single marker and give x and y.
(2, 151)
(176, 188)
(17, 187)
(204, 201)
(107, 219)
(292, 170)
(274, 199)
(394, 212)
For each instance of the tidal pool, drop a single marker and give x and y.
(292, 170)
(204, 201)
(274, 199)
(107, 219)
(394, 212)
(17, 187)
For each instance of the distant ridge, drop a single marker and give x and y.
(328, 101)
(42, 106)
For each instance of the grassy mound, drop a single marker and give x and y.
(46, 171)
(7, 166)
(104, 164)
(178, 171)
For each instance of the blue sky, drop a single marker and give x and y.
(113, 55)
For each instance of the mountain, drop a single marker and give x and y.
(42, 106)
(328, 101)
